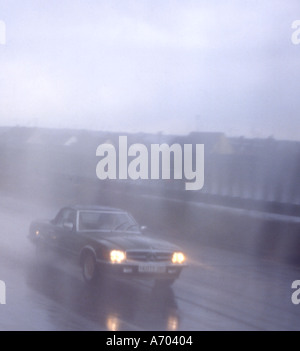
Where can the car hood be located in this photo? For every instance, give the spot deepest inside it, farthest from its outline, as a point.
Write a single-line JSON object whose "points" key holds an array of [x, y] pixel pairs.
{"points": [[133, 242]]}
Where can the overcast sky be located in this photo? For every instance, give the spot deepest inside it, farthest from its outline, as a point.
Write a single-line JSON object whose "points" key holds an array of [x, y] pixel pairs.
{"points": [[134, 65]]}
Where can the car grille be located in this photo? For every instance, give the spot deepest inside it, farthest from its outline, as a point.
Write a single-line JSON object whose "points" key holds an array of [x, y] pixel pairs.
{"points": [[149, 256]]}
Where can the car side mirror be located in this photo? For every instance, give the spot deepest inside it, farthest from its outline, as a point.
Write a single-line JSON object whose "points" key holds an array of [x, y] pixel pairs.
{"points": [[69, 226]]}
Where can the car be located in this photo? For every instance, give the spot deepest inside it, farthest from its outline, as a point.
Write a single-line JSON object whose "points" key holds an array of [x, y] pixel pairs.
{"points": [[107, 242]]}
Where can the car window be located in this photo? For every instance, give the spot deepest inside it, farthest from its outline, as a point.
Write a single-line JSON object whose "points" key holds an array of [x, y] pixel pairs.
{"points": [[66, 215], [93, 220]]}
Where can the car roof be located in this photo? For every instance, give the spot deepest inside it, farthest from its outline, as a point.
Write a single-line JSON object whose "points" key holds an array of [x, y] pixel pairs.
{"points": [[95, 208]]}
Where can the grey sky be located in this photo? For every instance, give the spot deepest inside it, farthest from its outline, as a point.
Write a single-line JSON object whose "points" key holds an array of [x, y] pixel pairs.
{"points": [[171, 66]]}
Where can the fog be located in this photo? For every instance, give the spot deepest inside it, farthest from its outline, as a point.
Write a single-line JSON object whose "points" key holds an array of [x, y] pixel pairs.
{"points": [[220, 78], [149, 66]]}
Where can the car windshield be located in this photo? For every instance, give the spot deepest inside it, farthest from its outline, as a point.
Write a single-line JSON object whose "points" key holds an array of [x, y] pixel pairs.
{"points": [[96, 220]]}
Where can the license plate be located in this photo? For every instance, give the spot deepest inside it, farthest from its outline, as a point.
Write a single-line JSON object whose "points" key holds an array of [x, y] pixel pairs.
{"points": [[152, 269]]}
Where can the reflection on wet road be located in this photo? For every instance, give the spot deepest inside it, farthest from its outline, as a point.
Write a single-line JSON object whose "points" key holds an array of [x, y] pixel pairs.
{"points": [[117, 305]]}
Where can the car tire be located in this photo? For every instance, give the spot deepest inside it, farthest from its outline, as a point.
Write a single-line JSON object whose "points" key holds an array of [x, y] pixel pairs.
{"points": [[89, 269]]}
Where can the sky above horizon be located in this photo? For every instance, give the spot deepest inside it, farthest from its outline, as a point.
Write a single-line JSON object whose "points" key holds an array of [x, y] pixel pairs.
{"points": [[151, 66]]}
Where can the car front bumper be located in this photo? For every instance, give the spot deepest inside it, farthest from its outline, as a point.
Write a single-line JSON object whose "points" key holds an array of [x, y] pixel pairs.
{"points": [[141, 270]]}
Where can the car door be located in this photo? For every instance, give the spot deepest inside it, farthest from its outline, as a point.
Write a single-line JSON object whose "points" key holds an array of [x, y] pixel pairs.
{"points": [[66, 235]]}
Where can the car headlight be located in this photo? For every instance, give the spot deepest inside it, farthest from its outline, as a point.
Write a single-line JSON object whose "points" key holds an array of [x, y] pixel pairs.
{"points": [[178, 257], [117, 256]]}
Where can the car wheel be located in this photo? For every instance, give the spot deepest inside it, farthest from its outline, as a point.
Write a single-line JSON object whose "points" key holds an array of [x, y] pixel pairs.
{"points": [[89, 269]]}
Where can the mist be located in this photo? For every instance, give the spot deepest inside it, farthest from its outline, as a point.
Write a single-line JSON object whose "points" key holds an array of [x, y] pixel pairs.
{"points": [[218, 78], [151, 67]]}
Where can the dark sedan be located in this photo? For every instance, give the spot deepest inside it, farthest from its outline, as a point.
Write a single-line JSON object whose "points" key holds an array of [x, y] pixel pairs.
{"points": [[107, 241]]}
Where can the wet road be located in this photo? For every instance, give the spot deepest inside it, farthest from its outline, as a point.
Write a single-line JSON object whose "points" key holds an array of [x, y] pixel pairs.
{"points": [[221, 290]]}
